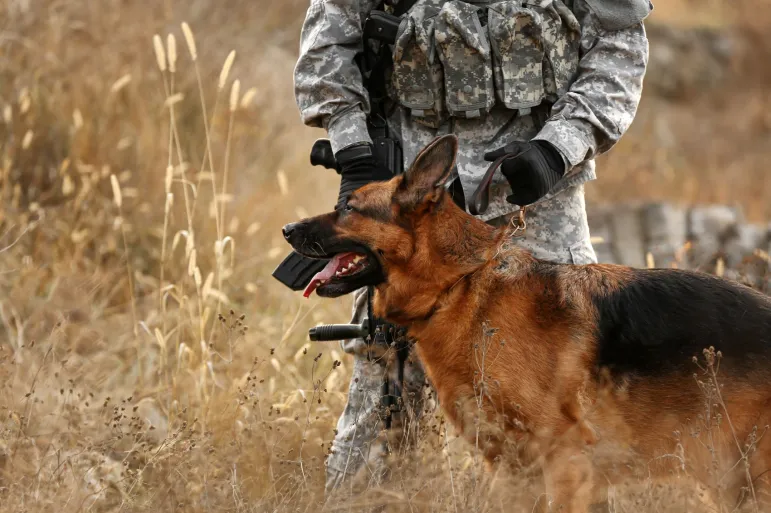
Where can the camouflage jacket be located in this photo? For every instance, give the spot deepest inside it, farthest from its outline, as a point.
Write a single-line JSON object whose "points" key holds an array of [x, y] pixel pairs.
{"points": [[478, 64]]}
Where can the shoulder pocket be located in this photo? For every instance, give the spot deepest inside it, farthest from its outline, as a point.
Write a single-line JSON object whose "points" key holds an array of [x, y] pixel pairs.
{"points": [[464, 50], [417, 73]]}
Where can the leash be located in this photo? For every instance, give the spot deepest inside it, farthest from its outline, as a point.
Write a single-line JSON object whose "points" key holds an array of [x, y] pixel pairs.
{"points": [[480, 199]]}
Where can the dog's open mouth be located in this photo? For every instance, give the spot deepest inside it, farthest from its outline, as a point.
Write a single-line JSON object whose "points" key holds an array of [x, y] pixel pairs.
{"points": [[340, 269]]}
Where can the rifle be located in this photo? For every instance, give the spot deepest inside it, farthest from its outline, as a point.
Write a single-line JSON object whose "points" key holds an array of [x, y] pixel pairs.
{"points": [[384, 334], [380, 28]]}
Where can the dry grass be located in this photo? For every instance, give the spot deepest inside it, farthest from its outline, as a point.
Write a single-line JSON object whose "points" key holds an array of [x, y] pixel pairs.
{"points": [[148, 361]]}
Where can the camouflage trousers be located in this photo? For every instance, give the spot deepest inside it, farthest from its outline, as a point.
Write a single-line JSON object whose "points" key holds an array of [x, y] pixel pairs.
{"points": [[557, 230]]}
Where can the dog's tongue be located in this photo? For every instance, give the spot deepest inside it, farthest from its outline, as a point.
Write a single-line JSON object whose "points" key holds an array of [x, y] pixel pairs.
{"points": [[329, 271]]}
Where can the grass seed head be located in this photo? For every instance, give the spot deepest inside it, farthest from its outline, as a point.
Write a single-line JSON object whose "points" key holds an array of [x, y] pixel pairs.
{"points": [[248, 97], [171, 45], [283, 184], [116, 194], [160, 54], [77, 119], [191, 263], [27, 139], [168, 178], [226, 69], [169, 202], [120, 83], [234, 92], [67, 185], [190, 40]]}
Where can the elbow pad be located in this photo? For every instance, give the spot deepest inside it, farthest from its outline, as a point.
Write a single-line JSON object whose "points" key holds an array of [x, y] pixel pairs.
{"points": [[620, 14]]}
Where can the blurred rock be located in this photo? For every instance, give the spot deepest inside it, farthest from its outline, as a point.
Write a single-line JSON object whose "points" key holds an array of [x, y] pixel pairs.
{"points": [[707, 226], [599, 220], [711, 232], [685, 62], [628, 236], [740, 242], [666, 230]]}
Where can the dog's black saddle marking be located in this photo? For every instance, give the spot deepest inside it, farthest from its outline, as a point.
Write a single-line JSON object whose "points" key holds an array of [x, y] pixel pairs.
{"points": [[660, 320]]}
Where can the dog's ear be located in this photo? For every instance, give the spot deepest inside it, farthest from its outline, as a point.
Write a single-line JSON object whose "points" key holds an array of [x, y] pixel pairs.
{"points": [[431, 169]]}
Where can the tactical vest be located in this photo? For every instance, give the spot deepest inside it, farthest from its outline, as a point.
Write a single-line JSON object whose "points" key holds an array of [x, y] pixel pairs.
{"points": [[455, 58]]}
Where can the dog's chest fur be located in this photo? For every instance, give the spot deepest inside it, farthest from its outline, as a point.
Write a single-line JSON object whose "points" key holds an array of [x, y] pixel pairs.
{"points": [[507, 340]]}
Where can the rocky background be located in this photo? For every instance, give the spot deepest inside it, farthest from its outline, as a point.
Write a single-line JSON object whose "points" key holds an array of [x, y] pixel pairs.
{"points": [[688, 185]]}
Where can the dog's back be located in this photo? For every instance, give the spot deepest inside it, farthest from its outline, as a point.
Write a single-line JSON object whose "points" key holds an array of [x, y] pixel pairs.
{"points": [[657, 320]]}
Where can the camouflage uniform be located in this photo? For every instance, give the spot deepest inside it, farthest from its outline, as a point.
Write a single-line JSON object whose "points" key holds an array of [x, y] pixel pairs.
{"points": [[569, 73]]}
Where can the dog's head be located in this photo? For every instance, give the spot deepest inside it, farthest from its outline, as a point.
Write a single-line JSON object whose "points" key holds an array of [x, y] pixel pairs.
{"points": [[376, 231]]}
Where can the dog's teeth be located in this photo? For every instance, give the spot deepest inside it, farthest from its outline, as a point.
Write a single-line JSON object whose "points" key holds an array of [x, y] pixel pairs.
{"points": [[356, 259]]}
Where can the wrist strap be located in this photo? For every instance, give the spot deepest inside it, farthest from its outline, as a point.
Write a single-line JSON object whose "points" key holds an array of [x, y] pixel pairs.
{"points": [[354, 153]]}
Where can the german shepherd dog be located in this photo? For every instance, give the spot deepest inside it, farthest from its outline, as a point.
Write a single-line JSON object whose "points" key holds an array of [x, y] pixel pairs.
{"points": [[594, 371]]}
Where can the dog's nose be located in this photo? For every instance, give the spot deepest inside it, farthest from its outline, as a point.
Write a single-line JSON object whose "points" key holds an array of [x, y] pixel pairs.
{"points": [[288, 230]]}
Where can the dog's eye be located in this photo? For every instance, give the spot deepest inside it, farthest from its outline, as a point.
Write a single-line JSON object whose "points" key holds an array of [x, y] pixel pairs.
{"points": [[349, 208]]}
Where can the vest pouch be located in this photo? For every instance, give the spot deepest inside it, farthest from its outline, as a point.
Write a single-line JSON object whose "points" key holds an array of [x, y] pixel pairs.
{"points": [[561, 35], [464, 51], [417, 76], [516, 39]]}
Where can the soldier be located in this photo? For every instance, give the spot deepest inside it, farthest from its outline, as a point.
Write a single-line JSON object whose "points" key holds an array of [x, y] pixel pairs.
{"points": [[557, 82]]}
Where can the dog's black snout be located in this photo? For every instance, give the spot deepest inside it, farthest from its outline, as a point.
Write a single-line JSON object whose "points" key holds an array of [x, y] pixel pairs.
{"points": [[288, 230]]}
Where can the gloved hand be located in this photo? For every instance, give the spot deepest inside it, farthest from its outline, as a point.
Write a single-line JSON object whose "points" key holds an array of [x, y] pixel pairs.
{"points": [[357, 168], [532, 173]]}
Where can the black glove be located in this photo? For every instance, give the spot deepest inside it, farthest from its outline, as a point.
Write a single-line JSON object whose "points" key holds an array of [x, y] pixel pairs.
{"points": [[358, 167], [532, 173]]}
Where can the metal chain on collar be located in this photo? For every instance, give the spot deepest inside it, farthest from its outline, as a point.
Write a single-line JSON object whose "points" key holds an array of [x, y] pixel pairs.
{"points": [[518, 223]]}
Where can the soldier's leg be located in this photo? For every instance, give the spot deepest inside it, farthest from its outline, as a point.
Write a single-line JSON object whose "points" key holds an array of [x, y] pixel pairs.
{"points": [[358, 428], [360, 442], [557, 228]]}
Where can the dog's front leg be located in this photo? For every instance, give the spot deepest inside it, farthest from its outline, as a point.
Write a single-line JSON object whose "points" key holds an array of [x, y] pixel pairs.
{"points": [[568, 479]]}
